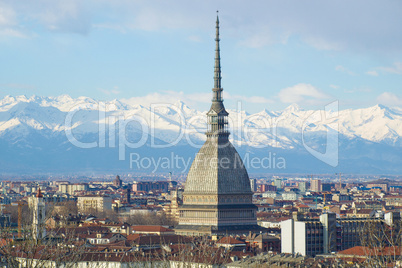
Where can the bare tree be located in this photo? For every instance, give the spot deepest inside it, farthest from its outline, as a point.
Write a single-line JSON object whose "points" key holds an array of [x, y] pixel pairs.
{"points": [[29, 251], [65, 209], [151, 218], [382, 243]]}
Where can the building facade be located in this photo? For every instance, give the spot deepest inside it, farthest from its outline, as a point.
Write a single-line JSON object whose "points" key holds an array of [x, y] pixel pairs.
{"points": [[89, 203], [302, 186], [146, 186], [328, 233], [278, 183], [316, 186], [117, 182], [253, 184], [267, 187], [67, 188]]}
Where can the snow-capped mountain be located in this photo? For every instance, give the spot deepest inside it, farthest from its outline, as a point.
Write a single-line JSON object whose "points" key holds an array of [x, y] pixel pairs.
{"points": [[56, 134]]}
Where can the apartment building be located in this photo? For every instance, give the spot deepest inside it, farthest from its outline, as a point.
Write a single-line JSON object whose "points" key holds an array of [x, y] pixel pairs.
{"points": [[327, 234], [68, 188], [316, 186], [91, 203], [146, 186]]}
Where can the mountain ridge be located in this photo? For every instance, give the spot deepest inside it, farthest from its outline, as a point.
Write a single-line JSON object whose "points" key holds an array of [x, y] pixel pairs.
{"points": [[37, 125]]}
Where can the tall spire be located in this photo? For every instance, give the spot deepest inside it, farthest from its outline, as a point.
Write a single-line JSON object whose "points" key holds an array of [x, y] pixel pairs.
{"points": [[217, 70], [39, 193], [217, 115]]}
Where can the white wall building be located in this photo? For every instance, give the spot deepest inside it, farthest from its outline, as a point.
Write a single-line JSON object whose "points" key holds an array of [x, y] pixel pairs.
{"points": [[290, 196], [94, 203]]}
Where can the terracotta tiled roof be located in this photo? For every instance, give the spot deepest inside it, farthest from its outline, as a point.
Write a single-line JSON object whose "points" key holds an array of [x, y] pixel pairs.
{"points": [[365, 251], [150, 228], [302, 206], [132, 237], [229, 240]]}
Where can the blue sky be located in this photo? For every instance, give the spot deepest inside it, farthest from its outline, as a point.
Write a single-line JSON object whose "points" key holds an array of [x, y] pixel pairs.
{"points": [[274, 53]]}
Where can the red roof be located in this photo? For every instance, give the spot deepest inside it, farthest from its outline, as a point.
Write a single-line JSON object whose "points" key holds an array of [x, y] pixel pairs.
{"points": [[379, 251], [302, 206], [132, 236], [229, 240], [150, 228]]}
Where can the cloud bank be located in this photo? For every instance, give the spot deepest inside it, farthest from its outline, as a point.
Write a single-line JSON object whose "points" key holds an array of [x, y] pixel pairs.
{"points": [[328, 25]]}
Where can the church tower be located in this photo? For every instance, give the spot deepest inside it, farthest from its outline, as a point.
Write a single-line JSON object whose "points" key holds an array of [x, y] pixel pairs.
{"points": [[38, 223], [217, 198]]}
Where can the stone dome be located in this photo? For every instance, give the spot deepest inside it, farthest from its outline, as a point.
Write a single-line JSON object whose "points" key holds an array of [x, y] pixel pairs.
{"points": [[217, 169]]}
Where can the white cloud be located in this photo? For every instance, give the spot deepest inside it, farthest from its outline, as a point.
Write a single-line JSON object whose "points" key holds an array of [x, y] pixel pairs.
{"points": [[170, 97], [395, 69], [64, 16], [22, 17], [357, 90], [389, 99], [193, 100], [321, 24], [323, 44], [342, 69], [259, 38], [372, 73], [7, 16], [334, 86], [12, 33], [8, 22], [302, 93]]}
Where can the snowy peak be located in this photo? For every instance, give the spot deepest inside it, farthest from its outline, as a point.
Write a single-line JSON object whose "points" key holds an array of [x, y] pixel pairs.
{"points": [[43, 127], [293, 108], [378, 123]]}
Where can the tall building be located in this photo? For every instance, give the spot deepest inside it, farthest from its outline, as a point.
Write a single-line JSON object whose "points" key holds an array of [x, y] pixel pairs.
{"points": [[253, 184], [117, 182], [329, 234], [94, 203], [327, 187], [175, 204], [266, 187], [217, 198], [309, 237], [302, 186], [146, 186], [382, 186], [316, 186], [127, 195], [67, 188], [39, 214], [278, 183]]}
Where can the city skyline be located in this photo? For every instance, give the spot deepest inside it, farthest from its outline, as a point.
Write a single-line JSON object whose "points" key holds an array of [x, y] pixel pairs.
{"points": [[298, 167]]}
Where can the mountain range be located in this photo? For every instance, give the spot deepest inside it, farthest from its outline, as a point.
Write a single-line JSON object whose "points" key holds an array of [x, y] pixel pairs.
{"points": [[63, 134]]}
